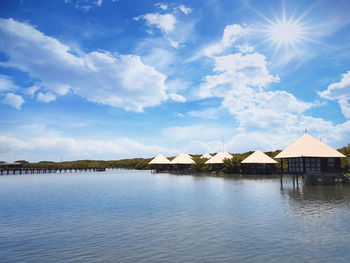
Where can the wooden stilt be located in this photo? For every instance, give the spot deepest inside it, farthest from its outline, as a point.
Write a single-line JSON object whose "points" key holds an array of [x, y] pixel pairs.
{"points": [[297, 179]]}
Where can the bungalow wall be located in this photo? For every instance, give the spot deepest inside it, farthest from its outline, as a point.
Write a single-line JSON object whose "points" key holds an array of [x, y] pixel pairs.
{"points": [[258, 168], [313, 165]]}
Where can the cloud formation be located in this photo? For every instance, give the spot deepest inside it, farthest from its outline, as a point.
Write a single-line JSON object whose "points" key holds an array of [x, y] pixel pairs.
{"points": [[53, 147], [340, 91], [164, 22], [231, 34], [185, 10], [98, 76], [13, 100], [267, 118]]}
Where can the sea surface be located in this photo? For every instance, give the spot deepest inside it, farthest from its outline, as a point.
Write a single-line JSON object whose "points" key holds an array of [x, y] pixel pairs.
{"points": [[137, 216]]}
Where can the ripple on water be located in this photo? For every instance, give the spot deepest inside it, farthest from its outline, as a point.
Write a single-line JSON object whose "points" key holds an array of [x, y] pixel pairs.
{"points": [[134, 216]]}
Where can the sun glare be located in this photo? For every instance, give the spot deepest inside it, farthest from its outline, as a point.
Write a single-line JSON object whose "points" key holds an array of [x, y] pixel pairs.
{"points": [[285, 32]]}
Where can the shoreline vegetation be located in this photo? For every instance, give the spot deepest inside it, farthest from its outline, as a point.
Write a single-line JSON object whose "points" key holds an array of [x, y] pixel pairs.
{"points": [[231, 166]]}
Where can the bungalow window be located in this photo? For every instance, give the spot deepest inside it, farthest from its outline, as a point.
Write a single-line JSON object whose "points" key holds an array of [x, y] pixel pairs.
{"points": [[295, 165], [312, 165], [331, 162]]}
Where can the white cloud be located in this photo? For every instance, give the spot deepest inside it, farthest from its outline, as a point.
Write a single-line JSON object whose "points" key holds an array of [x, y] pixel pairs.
{"points": [[245, 48], [199, 147], [205, 113], [31, 90], [185, 10], [175, 31], [177, 97], [210, 132], [280, 136], [99, 3], [53, 147], [231, 34], [236, 73], [13, 100], [166, 23], [6, 84], [45, 97], [98, 76], [340, 91], [162, 6]]}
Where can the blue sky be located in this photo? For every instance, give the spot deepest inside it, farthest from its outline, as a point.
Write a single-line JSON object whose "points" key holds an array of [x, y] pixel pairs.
{"points": [[110, 79]]}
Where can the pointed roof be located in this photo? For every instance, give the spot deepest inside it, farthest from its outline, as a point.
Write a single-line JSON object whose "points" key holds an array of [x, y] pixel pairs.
{"points": [[159, 159], [206, 156], [219, 158], [258, 157], [308, 146], [182, 158]]}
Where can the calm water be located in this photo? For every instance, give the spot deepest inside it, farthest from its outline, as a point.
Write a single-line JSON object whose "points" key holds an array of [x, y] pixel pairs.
{"points": [[134, 216]]}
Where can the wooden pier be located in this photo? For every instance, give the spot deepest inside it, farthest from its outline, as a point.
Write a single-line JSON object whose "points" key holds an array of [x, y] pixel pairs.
{"points": [[14, 171]]}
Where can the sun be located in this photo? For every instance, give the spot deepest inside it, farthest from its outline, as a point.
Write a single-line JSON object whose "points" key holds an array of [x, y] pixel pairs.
{"points": [[287, 33]]}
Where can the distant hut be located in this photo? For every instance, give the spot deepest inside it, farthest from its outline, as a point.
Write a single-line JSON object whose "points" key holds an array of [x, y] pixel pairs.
{"points": [[160, 163], [258, 163], [182, 162], [218, 159], [206, 156], [307, 155]]}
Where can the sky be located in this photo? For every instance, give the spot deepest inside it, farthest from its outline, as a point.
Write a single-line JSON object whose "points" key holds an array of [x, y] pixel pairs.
{"points": [[114, 79]]}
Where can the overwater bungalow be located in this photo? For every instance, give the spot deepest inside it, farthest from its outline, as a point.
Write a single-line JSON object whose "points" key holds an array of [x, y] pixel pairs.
{"points": [[182, 162], [309, 156], [206, 156], [159, 163], [258, 163], [218, 159]]}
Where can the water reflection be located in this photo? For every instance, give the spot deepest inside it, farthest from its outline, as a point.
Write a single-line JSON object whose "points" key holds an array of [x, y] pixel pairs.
{"points": [[315, 204]]}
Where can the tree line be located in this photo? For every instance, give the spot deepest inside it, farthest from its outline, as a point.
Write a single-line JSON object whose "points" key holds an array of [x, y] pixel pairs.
{"points": [[229, 166]]}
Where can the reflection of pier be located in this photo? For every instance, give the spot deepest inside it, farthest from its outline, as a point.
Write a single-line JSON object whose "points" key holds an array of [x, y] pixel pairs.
{"points": [[317, 202], [317, 178]]}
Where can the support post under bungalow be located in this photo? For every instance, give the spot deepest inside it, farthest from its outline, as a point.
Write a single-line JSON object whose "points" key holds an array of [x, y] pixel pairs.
{"points": [[281, 170], [297, 180]]}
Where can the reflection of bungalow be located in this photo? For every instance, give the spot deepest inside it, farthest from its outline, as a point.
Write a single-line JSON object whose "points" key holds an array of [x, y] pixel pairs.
{"points": [[307, 155], [206, 156], [10, 166], [258, 163], [159, 163], [218, 159], [182, 162]]}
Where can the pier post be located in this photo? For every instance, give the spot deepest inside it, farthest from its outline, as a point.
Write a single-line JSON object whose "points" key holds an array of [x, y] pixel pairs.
{"points": [[297, 180], [281, 170]]}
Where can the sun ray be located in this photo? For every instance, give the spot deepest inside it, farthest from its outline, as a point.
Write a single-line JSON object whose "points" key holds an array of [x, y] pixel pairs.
{"points": [[285, 33]]}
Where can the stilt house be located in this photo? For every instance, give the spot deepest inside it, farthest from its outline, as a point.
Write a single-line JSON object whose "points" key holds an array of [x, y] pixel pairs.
{"points": [[309, 155], [258, 163]]}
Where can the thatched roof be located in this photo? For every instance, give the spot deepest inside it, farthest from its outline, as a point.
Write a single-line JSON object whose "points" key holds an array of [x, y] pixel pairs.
{"points": [[219, 158], [182, 158], [159, 159], [308, 146], [258, 157], [206, 156]]}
